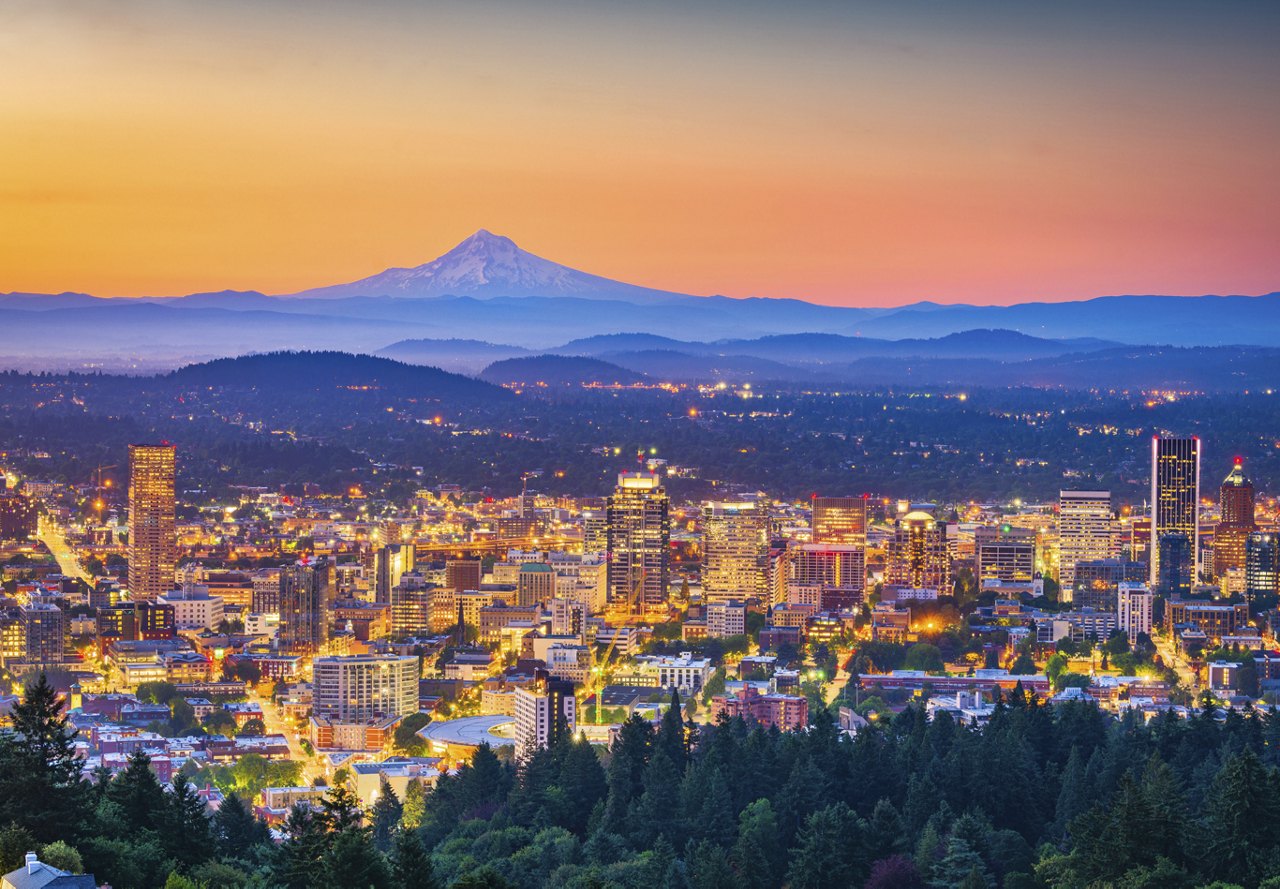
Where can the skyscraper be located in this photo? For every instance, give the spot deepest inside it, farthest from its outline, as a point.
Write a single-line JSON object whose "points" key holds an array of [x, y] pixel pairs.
{"points": [[1175, 498], [735, 550], [1235, 502], [839, 520], [153, 541], [1177, 565], [393, 561], [838, 572], [1261, 565], [1086, 533], [638, 531], [306, 592], [917, 555]]}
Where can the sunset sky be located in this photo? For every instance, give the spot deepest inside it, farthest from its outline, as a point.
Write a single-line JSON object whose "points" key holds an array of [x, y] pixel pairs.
{"points": [[848, 153]]}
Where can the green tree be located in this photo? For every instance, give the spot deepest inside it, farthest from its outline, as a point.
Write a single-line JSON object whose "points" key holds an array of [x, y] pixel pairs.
{"points": [[829, 850], [385, 816], [352, 860], [758, 856], [411, 865], [63, 857], [923, 656]]}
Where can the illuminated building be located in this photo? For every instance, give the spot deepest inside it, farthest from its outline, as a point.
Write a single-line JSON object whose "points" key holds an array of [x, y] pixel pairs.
{"points": [[837, 574], [1097, 582], [462, 574], [785, 712], [1086, 533], [735, 550], [18, 516], [595, 537], [543, 713], [1261, 565], [1004, 553], [365, 687], [1176, 564], [535, 583], [917, 554], [639, 536], [411, 603], [306, 592], [1134, 609], [392, 562], [1175, 498], [43, 631], [1235, 502], [839, 520], [152, 532]]}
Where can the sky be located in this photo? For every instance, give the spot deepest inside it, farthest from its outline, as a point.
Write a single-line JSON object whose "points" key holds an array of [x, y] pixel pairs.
{"points": [[870, 153]]}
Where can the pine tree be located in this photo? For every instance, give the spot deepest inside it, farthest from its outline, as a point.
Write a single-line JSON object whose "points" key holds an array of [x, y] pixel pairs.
{"points": [[236, 830], [411, 865], [353, 861], [671, 738], [829, 850], [301, 863], [188, 833], [959, 868], [414, 806], [42, 789], [758, 856], [136, 791], [708, 866], [385, 817], [340, 809]]}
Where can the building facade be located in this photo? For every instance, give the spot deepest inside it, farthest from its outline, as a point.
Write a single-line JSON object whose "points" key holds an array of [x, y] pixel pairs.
{"points": [[153, 540], [1175, 497]]}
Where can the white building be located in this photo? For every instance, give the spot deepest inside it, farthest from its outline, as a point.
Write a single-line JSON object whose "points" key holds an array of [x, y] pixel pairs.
{"points": [[1086, 533], [1134, 603], [538, 711], [686, 674], [194, 608], [365, 687], [726, 619]]}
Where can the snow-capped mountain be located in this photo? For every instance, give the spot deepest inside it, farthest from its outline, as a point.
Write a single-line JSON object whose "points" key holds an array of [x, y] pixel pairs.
{"points": [[486, 265]]}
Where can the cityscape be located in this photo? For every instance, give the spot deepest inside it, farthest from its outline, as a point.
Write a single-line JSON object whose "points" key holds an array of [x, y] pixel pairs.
{"points": [[862, 471]]}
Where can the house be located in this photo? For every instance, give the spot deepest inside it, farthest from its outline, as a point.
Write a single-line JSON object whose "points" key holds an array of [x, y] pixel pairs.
{"points": [[35, 874]]}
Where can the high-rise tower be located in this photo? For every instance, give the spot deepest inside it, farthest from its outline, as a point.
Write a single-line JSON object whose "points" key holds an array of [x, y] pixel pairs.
{"points": [[1086, 533], [306, 592], [153, 541], [638, 529], [918, 555], [1235, 502], [1175, 498], [735, 550], [839, 520]]}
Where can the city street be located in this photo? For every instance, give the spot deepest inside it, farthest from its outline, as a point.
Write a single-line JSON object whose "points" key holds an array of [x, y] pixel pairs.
{"points": [[52, 536]]}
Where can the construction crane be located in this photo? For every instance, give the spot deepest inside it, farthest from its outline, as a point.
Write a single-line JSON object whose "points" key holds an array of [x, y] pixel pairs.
{"points": [[98, 502]]}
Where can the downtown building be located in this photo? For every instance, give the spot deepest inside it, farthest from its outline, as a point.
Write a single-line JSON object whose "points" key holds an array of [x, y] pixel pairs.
{"points": [[1236, 522], [735, 550], [1086, 533], [153, 540], [839, 520], [638, 530], [918, 556], [306, 594], [1175, 503]]}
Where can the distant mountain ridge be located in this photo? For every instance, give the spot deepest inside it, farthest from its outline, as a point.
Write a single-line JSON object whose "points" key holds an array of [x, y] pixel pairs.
{"points": [[489, 291]]}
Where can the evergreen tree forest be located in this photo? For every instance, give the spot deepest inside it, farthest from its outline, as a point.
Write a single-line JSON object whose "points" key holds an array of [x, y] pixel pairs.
{"points": [[1053, 796]]}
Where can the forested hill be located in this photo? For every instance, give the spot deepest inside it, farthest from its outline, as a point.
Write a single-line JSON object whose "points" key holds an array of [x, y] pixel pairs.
{"points": [[1043, 797], [308, 371]]}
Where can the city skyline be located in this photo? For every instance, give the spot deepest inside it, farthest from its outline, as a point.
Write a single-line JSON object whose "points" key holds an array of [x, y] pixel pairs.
{"points": [[864, 156]]}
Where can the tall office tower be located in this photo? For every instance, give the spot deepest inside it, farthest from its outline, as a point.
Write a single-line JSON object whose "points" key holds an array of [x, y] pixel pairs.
{"points": [[735, 550], [536, 583], [917, 554], [1134, 609], [153, 537], [1261, 565], [365, 687], [306, 592], [462, 574], [1098, 581], [543, 712], [1086, 533], [1175, 497], [1235, 502], [595, 531], [838, 572], [1005, 553], [18, 516], [568, 618], [411, 601], [1177, 565], [839, 520], [43, 631], [639, 534], [393, 561]]}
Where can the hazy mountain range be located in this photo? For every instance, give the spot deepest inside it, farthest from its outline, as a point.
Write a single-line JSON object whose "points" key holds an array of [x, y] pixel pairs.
{"points": [[487, 300]]}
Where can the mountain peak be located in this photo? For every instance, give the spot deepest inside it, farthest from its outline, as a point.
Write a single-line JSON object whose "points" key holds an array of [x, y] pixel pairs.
{"points": [[486, 265]]}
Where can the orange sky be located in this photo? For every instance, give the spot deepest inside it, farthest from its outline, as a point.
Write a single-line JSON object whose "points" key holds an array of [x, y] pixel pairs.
{"points": [[978, 153]]}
